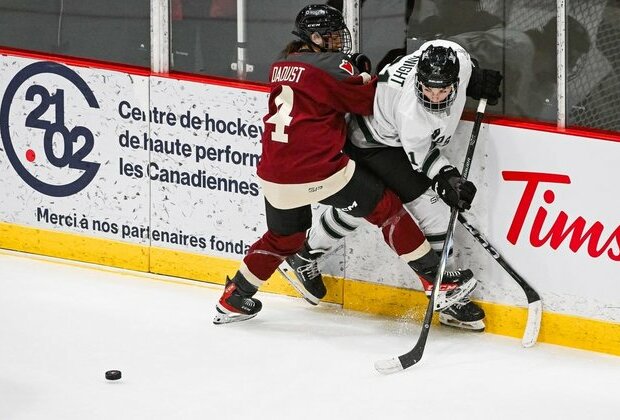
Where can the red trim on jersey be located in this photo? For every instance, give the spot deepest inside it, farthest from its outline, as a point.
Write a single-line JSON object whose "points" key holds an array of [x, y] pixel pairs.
{"points": [[347, 66]]}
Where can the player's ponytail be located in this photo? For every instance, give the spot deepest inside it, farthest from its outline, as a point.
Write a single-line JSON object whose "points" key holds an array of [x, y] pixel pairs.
{"points": [[293, 47]]}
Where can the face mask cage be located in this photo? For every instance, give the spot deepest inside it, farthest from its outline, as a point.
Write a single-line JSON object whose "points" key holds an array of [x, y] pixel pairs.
{"points": [[339, 40], [435, 107]]}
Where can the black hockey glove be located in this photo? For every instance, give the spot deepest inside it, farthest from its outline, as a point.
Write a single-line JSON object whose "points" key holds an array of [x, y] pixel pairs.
{"points": [[452, 189], [484, 84], [361, 62]]}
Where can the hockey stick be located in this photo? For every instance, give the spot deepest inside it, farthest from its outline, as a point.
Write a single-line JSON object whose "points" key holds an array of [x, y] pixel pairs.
{"points": [[534, 313], [413, 356]]}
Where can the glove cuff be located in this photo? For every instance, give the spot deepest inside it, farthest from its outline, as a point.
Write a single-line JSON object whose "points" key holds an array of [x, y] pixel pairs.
{"points": [[448, 170]]}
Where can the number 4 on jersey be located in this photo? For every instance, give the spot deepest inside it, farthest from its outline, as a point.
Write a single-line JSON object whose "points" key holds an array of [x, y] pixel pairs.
{"points": [[282, 118]]}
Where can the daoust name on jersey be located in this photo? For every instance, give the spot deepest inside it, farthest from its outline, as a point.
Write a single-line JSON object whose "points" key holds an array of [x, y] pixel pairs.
{"points": [[286, 73]]}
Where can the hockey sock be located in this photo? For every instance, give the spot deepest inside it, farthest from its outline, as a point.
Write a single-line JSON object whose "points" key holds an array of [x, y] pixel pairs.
{"points": [[245, 288], [333, 225], [266, 254]]}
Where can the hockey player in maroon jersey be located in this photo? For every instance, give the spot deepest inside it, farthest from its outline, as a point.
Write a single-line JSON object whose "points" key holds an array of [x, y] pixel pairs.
{"points": [[312, 88]]}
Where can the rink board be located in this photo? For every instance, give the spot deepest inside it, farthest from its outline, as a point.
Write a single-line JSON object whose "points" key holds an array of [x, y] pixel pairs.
{"points": [[157, 174]]}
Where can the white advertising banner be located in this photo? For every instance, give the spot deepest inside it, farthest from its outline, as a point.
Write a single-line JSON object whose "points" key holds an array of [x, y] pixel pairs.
{"points": [[552, 209], [60, 129], [204, 190]]}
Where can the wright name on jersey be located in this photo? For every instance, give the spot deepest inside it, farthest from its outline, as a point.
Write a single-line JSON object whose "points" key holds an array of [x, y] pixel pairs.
{"points": [[400, 119]]}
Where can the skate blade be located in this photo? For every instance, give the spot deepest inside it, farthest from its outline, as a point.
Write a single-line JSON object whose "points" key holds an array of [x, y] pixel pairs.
{"points": [[228, 318], [475, 326], [289, 274], [442, 303]]}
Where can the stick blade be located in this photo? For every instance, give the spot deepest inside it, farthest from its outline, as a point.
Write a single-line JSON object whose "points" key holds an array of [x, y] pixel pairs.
{"points": [[388, 366], [532, 328]]}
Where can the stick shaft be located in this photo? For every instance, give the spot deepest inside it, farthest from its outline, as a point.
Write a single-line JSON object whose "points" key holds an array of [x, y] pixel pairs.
{"points": [[530, 293], [413, 356]]}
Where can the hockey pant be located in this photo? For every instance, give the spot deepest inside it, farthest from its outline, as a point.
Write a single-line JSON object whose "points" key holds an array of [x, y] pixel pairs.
{"points": [[399, 231]]}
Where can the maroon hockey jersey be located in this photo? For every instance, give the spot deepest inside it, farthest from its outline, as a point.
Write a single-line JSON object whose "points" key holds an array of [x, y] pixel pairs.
{"points": [[305, 128]]}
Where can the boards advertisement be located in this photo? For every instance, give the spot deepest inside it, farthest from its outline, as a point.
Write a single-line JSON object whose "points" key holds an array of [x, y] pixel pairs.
{"points": [[144, 163]]}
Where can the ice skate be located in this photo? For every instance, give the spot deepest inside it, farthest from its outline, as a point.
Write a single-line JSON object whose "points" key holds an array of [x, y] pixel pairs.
{"points": [[237, 303], [464, 314], [302, 271], [455, 285]]}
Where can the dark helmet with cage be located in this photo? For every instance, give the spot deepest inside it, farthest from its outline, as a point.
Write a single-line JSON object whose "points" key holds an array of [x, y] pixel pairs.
{"points": [[328, 22], [438, 67]]}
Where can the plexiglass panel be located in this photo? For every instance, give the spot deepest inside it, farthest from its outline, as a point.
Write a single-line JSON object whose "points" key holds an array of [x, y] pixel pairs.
{"points": [[204, 35], [111, 30], [516, 37], [593, 64], [519, 38]]}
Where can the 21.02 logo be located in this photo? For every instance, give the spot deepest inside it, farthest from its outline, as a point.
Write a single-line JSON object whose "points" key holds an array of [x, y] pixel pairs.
{"points": [[65, 148]]}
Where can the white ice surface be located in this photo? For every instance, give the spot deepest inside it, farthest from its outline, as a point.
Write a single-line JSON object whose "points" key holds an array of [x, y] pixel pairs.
{"points": [[62, 326]]}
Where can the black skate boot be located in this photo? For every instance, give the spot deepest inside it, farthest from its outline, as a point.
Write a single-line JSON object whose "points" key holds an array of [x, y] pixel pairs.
{"points": [[237, 303], [463, 314], [455, 284], [302, 271]]}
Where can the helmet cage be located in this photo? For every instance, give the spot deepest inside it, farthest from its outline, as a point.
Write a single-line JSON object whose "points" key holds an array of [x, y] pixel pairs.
{"points": [[435, 107], [339, 40], [328, 23]]}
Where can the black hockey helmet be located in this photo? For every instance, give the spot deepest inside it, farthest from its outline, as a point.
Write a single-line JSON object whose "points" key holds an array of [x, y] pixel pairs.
{"points": [[438, 67], [328, 22]]}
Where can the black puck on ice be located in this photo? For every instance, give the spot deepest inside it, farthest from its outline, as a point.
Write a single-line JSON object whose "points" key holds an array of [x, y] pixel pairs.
{"points": [[113, 375]]}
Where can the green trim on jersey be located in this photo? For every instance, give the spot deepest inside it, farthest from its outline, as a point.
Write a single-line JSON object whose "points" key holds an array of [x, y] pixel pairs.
{"points": [[430, 160], [341, 222], [365, 131], [329, 230], [383, 77], [436, 238]]}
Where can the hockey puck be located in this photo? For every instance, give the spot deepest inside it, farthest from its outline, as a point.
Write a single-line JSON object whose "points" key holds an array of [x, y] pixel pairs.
{"points": [[113, 375]]}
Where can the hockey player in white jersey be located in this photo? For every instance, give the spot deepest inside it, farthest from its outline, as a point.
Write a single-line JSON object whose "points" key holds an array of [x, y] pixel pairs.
{"points": [[418, 104]]}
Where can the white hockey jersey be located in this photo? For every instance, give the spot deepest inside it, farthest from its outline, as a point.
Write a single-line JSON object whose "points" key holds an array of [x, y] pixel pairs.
{"points": [[400, 120]]}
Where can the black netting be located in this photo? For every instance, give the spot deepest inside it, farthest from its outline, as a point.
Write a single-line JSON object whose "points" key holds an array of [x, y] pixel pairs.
{"points": [[593, 50]]}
